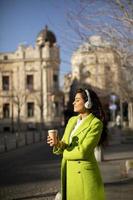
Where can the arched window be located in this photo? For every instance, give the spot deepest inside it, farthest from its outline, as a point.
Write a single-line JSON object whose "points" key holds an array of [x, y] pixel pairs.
{"points": [[6, 110]]}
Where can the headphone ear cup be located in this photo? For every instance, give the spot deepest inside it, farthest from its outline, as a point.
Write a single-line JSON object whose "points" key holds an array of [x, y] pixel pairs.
{"points": [[87, 105]]}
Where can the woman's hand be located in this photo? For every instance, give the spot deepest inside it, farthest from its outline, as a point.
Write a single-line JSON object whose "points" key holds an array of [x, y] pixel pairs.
{"points": [[52, 141]]}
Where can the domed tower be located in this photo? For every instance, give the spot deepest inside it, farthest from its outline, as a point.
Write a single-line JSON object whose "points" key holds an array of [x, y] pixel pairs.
{"points": [[45, 36], [49, 74]]}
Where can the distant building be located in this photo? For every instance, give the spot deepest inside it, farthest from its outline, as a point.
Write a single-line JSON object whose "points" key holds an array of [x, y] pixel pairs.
{"points": [[95, 64], [29, 85]]}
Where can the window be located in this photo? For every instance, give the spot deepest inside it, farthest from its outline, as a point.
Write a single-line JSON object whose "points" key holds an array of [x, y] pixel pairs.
{"points": [[57, 108], [5, 57], [29, 82], [55, 77], [5, 82], [6, 110], [108, 68], [30, 109], [6, 129]]}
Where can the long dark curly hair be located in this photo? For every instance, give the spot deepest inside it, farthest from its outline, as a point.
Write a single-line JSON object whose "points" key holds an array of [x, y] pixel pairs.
{"points": [[97, 111]]}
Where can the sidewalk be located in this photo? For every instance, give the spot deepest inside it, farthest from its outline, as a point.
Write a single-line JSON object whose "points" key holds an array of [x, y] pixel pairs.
{"points": [[117, 184]]}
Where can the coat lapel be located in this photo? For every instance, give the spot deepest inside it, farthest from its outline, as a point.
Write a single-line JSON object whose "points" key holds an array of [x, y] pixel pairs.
{"points": [[85, 124], [69, 128]]}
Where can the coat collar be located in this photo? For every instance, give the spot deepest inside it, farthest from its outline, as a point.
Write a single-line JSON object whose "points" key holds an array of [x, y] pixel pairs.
{"points": [[81, 127], [84, 124]]}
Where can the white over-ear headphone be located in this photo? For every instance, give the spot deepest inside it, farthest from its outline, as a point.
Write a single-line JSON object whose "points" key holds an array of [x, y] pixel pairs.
{"points": [[88, 103]]}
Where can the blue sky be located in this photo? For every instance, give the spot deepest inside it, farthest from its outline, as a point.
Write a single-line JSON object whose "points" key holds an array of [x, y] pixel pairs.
{"points": [[22, 20]]}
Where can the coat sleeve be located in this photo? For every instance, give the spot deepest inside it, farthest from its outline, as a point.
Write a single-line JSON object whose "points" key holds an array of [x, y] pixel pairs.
{"points": [[91, 140], [59, 150], [62, 143]]}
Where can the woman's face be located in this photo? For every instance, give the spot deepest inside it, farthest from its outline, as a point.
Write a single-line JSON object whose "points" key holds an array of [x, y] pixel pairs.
{"points": [[79, 103]]}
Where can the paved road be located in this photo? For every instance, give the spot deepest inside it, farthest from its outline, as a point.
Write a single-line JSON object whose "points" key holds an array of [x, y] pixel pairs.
{"points": [[29, 171], [33, 172]]}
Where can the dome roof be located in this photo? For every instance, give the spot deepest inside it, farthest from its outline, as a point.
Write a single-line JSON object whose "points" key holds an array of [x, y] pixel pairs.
{"points": [[45, 35]]}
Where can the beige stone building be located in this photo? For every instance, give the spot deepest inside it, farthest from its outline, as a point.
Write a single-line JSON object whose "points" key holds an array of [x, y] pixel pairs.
{"points": [[29, 85], [96, 64]]}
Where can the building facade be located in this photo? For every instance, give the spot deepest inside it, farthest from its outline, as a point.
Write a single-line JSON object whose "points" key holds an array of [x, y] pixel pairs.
{"points": [[29, 85], [97, 65]]}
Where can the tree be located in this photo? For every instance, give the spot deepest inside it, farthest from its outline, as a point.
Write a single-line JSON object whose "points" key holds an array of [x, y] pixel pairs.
{"points": [[113, 20], [42, 107], [19, 98]]}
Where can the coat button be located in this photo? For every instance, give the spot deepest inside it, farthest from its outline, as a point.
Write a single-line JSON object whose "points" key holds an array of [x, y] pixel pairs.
{"points": [[79, 162], [78, 172]]}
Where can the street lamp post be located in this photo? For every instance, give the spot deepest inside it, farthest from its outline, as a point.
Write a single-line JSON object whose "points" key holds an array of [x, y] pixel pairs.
{"points": [[121, 112], [113, 106]]}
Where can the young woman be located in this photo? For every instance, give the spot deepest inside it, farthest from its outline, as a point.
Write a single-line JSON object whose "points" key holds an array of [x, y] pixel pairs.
{"points": [[80, 175]]}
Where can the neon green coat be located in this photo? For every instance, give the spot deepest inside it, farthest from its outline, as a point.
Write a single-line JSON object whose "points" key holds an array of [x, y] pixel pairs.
{"points": [[80, 176]]}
